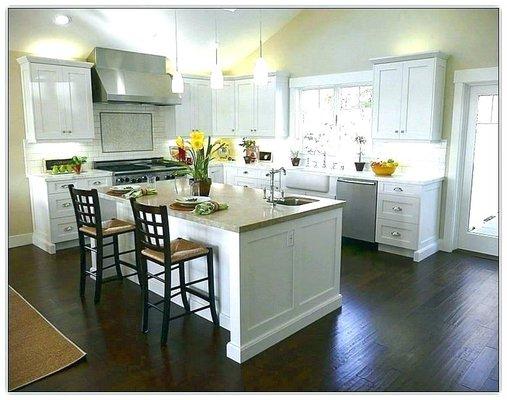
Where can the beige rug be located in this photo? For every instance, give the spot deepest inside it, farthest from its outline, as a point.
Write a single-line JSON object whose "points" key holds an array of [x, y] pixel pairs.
{"points": [[36, 348]]}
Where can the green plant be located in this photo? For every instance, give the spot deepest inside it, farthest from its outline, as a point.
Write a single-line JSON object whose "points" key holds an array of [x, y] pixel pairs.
{"points": [[76, 160], [360, 140], [294, 154], [247, 144]]}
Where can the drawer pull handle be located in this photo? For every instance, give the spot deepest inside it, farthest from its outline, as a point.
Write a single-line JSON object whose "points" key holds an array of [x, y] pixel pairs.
{"points": [[395, 234], [68, 229], [397, 208], [245, 172], [398, 189], [66, 205], [97, 182], [64, 186]]}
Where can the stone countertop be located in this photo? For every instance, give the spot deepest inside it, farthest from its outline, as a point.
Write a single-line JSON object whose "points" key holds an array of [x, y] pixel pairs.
{"points": [[247, 208], [398, 177], [92, 173]]}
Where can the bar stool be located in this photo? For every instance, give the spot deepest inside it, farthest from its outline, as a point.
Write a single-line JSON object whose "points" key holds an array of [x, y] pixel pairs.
{"points": [[153, 243], [89, 223]]}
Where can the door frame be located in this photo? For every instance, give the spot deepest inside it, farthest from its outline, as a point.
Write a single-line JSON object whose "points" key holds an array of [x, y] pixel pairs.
{"points": [[463, 81]]}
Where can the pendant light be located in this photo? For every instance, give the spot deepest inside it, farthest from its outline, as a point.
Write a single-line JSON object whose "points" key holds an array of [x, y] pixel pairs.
{"points": [[177, 83], [261, 68], [216, 78]]}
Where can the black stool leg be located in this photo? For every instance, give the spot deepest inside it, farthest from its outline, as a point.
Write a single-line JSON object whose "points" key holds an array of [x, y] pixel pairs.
{"points": [[82, 261], [116, 250], [143, 282], [211, 287], [167, 305], [98, 274], [183, 288]]}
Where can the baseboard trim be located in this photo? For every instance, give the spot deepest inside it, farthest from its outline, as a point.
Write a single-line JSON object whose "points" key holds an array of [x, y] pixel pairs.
{"points": [[20, 240], [426, 251]]}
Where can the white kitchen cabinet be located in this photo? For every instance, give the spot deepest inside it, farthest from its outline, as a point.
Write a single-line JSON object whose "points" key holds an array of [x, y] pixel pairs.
{"points": [[195, 111], [408, 96], [262, 111], [216, 173], [224, 116], [57, 99]]}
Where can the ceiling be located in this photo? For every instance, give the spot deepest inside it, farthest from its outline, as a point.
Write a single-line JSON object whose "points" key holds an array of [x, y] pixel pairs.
{"points": [[147, 31]]}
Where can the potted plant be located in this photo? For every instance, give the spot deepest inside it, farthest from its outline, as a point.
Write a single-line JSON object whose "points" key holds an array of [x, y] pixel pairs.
{"points": [[294, 157], [360, 140], [201, 156], [76, 162], [250, 150]]}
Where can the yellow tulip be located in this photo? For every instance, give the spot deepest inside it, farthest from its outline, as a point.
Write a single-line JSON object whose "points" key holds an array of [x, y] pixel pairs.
{"points": [[180, 142], [197, 135], [197, 143]]}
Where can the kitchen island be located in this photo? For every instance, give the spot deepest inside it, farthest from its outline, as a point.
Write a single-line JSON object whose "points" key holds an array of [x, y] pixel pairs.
{"points": [[277, 268]]}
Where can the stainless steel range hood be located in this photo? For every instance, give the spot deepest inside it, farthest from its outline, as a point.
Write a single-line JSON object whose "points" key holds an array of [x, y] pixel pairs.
{"points": [[126, 77]]}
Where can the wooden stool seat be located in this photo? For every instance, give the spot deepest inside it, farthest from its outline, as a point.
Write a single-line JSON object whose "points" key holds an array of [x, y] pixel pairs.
{"points": [[181, 250], [110, 227]]}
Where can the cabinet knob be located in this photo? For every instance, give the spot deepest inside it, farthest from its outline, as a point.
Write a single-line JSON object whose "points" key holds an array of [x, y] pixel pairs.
{"points": [[398, 189], [97, 182], [396, 131], [397, 208], [232, 129], [66, 205], [64, 186], [402, 131], [68, 228], [395, 234], [245, 172]]}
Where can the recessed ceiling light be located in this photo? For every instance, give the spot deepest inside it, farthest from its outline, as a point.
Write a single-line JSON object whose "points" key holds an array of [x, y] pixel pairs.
{"points": [[62, 20]]}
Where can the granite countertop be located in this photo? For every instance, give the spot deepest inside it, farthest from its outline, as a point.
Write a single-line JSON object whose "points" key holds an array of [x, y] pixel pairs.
{"points": [[247, 208], [91, 173]]}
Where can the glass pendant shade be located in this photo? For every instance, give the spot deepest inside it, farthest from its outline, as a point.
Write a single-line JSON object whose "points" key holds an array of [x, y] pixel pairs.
{"points": [[216, 78], [177, 83], [261, 72]]}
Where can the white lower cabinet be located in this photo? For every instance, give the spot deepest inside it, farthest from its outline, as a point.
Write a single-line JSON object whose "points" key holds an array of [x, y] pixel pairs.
{"points": [[408, 218], [216, 173], [54, 223]]}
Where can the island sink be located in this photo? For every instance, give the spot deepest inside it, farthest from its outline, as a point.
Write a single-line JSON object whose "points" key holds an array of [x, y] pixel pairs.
{"points": [[295, 201]]}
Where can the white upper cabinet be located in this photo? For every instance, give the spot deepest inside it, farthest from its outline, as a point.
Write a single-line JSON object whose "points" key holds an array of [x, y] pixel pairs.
{"points": [[195, 112], [224, 101], [245, 99], [265, 109], [57, 99], [408, 97]]}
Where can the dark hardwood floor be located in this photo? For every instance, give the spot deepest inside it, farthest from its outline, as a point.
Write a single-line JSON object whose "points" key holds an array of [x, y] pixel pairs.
{"points": [[431, 326]]}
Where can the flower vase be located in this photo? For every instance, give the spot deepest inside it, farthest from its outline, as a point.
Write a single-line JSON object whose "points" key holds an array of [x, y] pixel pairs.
{"points": [[201, 187]]}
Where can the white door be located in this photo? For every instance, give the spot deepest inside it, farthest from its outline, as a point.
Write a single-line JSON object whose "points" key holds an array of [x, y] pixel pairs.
{"points": [[224, 110], [478, 230], [265, 109], [245, 105], [201, 101], [387, 89], [49, 112], [417, 99], [183, 112], [77, 100]]}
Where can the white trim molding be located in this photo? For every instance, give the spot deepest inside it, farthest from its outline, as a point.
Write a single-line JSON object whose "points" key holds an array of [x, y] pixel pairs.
{"points": [[20, 240], [463, 81], [345, 78]]}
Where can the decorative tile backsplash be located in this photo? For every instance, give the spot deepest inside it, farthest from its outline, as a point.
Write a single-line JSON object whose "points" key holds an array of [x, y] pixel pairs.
{"points": [[163, 124]]}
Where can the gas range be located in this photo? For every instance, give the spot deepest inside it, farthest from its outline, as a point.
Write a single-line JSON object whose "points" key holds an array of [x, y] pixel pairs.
{"points": [[138, 170]]}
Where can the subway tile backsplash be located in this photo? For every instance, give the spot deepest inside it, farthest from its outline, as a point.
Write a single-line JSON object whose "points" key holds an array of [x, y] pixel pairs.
{"points": [[163, 122]]}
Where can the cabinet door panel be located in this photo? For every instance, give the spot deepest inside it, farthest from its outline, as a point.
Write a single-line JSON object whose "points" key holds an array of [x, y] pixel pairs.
{"points": [[77, 99], [47, 101], [265, 109], [183, 112], [201, 102], [417, 99], [245, 106], [387, 100], [224, 110]]}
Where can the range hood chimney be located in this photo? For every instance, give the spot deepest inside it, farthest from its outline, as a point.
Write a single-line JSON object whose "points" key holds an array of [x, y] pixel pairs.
{"points": [[126, 77]]}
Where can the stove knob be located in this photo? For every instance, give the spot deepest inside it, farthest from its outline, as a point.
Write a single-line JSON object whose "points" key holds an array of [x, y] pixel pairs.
{"points": [[139, 180], [157, 178], [167, 177], [144, 178], [127, 179], [121, 180]]}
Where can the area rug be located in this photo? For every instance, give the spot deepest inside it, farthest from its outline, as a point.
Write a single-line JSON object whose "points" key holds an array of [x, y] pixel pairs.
{"points": [[36, 348]]}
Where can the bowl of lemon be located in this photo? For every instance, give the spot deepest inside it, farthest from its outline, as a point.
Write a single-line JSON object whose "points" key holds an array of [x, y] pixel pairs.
{"points": [[384, 168]]}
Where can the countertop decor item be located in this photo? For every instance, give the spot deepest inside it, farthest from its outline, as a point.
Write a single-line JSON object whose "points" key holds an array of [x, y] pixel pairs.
{"points": [[77, 163], [294, 157], [360, 140], [209, 207], [202, 155], [250, 149], [384, 168]]}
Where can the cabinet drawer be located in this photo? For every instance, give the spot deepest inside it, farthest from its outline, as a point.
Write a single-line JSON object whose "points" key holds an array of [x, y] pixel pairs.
{"points": [[61, 186], [401, 189], [395, 233], [249, 172], [63, 229], [398, 208], [60, 205], [246, 182], [95, 182]]}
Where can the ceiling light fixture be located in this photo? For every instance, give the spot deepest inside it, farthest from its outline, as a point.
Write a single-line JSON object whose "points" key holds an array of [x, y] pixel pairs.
{"points": [[61, 20], [177, 83], [261, 67], [216, 78]]}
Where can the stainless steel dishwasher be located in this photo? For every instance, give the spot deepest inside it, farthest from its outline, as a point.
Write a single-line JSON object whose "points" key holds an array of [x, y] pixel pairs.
{"points": [[359, 214]]}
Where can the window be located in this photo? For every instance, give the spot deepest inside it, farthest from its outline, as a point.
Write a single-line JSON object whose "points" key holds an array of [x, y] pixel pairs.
{"points": [[330, 119]]}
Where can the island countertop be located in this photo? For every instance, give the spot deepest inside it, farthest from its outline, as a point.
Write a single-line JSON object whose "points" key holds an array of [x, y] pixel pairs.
{"points": [[247, 208]]}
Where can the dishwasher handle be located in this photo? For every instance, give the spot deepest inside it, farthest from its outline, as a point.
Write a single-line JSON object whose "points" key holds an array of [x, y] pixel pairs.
{"points": [[369, 183]]}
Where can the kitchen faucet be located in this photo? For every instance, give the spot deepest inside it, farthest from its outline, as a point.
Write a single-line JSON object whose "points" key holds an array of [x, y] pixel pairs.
{"points": [[271, 199]]}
